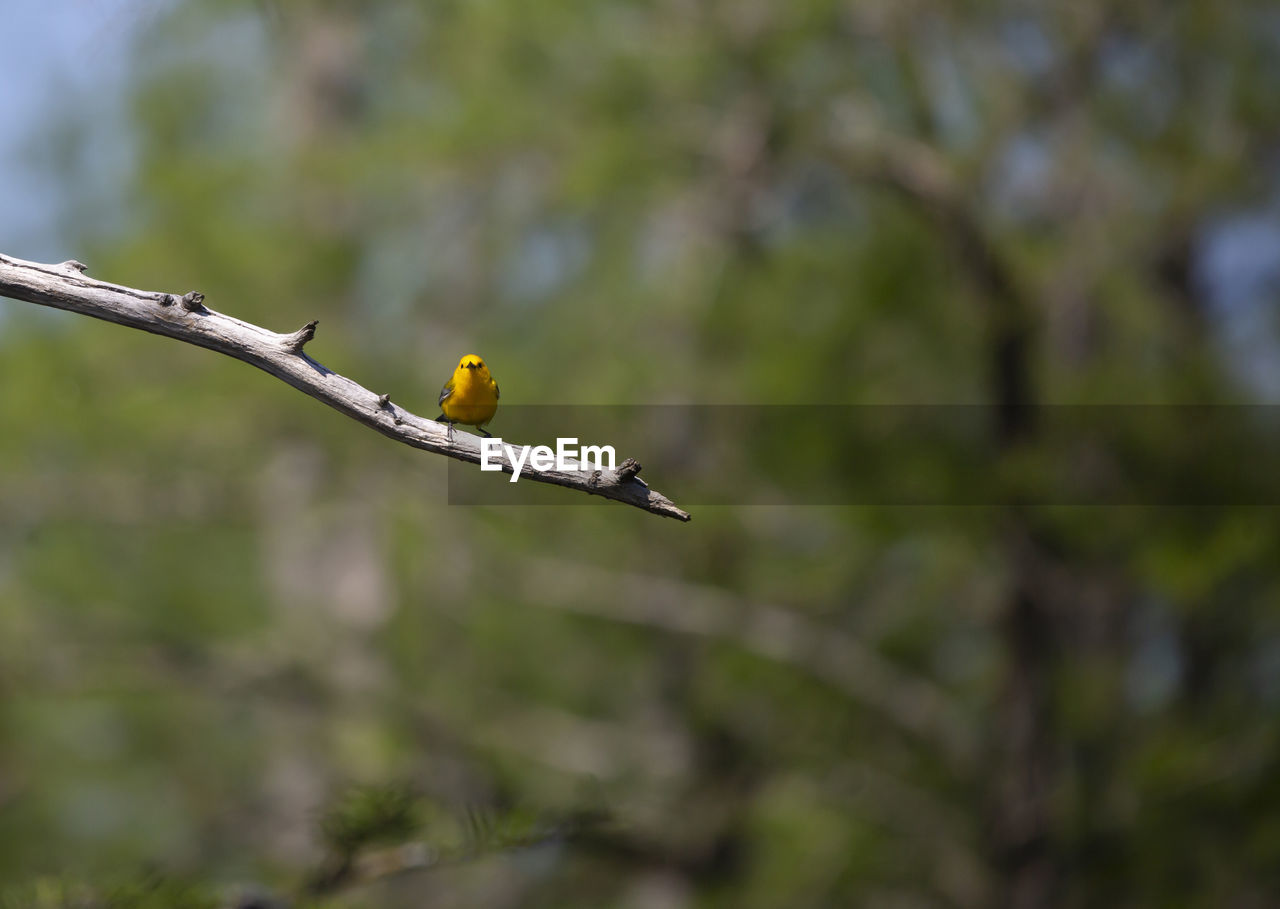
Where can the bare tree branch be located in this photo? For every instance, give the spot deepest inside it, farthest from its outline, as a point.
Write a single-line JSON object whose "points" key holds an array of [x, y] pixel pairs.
{"points": [[186, 318]]}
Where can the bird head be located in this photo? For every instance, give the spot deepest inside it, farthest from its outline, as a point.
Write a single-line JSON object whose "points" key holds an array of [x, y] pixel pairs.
{"points": [[471, 361]]}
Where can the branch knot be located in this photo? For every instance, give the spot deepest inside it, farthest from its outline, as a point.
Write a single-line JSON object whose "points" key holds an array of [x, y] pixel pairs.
{"points": [[192, 301]]}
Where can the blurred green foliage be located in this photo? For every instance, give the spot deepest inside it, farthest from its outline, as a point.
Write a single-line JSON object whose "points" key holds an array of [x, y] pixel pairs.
{"points": [[242, 638], [143, 891], [368, 816]]}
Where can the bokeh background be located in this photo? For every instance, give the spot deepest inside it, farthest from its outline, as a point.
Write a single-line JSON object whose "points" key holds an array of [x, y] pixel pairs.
{"points": [[249, 652]]}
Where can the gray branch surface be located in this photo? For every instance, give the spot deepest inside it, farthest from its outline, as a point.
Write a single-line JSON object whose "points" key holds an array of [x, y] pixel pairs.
{"points": [[186, 318]]}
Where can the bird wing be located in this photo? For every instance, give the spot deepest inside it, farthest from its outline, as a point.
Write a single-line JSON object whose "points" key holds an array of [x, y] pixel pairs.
{"points": [[497, 393], [446, 391]]}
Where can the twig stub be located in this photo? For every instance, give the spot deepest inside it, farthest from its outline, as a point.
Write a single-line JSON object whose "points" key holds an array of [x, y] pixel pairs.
{"points": [[296, 341]]}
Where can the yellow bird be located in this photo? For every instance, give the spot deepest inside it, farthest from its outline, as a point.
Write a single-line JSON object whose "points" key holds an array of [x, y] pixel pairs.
{"points": [[470, 397]]}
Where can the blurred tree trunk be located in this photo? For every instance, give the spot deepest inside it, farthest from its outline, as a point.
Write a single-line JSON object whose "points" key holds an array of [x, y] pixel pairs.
{"points": [[1023, 751]]}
